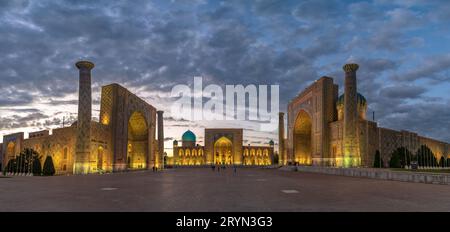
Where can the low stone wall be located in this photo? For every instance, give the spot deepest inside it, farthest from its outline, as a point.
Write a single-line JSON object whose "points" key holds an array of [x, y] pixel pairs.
{"points": [[382, 174]]}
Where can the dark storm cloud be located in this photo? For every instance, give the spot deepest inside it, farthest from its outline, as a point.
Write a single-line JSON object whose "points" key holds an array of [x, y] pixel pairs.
{"points": [[153, 46], [15, 121], [14, 97], [421, 118], [168, 139], [402, 92], [434, 68]]}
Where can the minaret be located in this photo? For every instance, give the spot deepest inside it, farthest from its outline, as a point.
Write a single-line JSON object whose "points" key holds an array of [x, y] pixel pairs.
{"points": [[351, 144], [83, 142], [160, 159], [281, 152]]}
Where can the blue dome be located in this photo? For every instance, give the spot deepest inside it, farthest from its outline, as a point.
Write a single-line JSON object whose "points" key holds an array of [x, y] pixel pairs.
{"points": [[271, 143], [188, 136], [361, 99]]}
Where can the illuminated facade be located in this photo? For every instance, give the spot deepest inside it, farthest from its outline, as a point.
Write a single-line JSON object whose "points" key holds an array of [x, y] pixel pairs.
{"points": [[123, 139], [331, 130], [223, 146]]}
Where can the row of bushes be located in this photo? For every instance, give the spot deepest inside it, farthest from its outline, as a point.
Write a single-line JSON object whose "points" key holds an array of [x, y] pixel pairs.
{"points": [[29, 161]]}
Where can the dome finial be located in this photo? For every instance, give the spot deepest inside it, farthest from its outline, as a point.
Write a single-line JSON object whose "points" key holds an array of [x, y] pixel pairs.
{"points": [[350, 67]]}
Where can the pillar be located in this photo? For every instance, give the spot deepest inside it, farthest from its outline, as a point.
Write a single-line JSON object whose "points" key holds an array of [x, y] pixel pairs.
{"points": [[351, 144], [281, 152], [160, 159], [83, 141]]}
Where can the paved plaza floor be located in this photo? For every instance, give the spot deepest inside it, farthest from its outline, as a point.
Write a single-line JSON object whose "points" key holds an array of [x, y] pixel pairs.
{"points": [[201, 189]]}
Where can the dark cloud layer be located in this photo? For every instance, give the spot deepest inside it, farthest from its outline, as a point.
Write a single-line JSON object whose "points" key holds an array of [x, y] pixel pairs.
{"points": [[153, 45]]}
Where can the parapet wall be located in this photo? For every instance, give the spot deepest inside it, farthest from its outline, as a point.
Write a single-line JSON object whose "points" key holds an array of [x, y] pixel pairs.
{"points": [[382, 174]]}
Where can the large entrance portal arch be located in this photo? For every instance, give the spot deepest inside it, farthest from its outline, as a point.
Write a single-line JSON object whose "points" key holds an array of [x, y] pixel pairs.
{"points": [[303, 138], [223, 151], [137, 147]]}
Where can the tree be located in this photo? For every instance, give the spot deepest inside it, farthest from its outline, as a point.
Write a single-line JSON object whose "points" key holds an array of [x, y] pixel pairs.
{"points": [[23, 162], [394, 162], [275, 158], [11, 166], [377, 161], [442, 162], [400, 157], [49, 168], [37, 168], [425, 156]]}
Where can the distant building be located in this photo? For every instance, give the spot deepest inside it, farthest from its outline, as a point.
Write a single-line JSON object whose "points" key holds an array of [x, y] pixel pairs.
{"points": [[123, 139], [223, 146], [331, 130]]}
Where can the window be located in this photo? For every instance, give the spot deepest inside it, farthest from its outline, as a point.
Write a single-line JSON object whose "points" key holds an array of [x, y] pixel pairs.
{"points": [[65, 153]]}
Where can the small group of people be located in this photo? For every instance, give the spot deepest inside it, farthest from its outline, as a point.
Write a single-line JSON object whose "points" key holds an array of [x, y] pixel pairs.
{"points": [[213, 168], [155, 169]]}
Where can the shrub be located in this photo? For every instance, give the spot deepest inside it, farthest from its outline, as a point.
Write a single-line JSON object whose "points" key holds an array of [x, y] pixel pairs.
{"points": [[394, 162], [377, 161], [49, 168], [37, 168], [11, 166]]}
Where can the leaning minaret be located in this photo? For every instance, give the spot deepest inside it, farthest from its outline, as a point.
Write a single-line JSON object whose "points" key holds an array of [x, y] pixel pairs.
{"points": [[160, 139], [351, 146], [281, 151], [82, 156]]}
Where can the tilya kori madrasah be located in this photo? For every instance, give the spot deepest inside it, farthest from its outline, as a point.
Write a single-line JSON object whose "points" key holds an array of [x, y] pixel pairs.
{"points": [[323, 128]]}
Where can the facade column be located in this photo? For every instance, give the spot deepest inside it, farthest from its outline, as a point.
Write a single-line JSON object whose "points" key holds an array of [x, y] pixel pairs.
{"points": [[281, 152], [83, 141], [160, 158]]}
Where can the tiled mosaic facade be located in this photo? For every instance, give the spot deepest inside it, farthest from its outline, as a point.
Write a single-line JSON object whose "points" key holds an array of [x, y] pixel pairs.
{"points": [[223, 146], [123, 139], [324, 129]]}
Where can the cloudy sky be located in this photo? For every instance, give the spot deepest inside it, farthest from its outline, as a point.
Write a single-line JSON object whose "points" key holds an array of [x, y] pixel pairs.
{"points": [[402, 47]]}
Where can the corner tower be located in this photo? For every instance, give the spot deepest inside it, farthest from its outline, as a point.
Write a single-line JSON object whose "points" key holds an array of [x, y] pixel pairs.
{"points": [[82, 156], [352, 156]]}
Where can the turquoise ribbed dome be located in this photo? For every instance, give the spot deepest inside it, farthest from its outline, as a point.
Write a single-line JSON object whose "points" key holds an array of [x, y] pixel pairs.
{"points": [[271, 143], [361, 100], [188, 136]]}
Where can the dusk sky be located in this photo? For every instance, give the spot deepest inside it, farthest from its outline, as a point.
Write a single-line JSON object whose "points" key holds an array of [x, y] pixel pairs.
{"points": [[402, 48]]}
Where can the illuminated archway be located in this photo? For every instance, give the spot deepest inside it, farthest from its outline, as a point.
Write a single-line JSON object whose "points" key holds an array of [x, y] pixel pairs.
{"points": [[302, 138], [223, 151], [10, 149], [137, 141]]}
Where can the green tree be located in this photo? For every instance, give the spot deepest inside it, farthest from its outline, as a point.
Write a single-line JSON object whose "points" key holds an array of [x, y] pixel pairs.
{"points": [[394, 162], [11, 166], [49, 168], [425, 156], [442, 162], [275, 158], [37, 167], [377, 161], [400, 157]]}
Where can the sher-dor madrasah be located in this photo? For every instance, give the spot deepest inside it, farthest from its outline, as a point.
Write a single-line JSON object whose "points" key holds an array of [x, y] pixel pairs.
{"points": [[323, 128]]}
